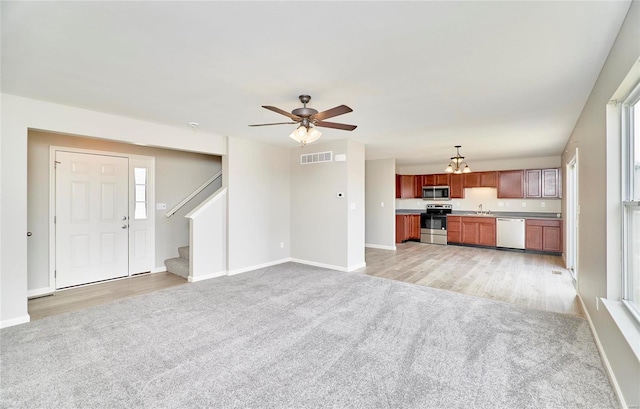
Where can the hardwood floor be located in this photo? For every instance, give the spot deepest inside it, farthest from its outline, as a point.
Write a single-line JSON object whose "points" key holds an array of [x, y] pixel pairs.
{"points": [[79, 298], [534, 280]]}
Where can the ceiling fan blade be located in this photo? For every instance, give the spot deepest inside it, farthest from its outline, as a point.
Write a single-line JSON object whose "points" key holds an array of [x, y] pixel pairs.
{"points": [[344, 127], [330, 113], [281, 112], [276, 123]]}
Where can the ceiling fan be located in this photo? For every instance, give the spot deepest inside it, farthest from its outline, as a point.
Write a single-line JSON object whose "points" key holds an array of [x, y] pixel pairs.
{"points": [[309, 118]]}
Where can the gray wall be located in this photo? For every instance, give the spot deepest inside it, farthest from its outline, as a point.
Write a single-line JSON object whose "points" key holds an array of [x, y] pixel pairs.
{"points": [[380, 222], [257, 176], [599, 220], [177, 175], [320, 221]]}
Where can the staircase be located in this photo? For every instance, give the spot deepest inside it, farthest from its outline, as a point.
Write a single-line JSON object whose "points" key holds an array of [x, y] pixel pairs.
{"points": [[179, 265]]}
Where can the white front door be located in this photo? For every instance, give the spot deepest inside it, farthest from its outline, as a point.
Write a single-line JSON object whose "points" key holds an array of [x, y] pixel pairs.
{"points": [[92, 218]]}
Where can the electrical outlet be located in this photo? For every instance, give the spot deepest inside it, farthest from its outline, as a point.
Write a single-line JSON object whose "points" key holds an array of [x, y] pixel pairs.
{"points": [[507, 204], [500, 204], [381, 204], [282, 244], [161, 206], [542, 204], [524, 204]]}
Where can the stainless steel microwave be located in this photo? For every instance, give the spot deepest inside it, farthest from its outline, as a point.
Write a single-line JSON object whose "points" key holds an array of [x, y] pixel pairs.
{"points": [[435, 193]]}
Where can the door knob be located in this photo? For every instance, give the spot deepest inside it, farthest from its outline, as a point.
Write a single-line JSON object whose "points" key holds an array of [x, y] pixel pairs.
{"points": [[29, 234], [124, 217], [124, 226]]}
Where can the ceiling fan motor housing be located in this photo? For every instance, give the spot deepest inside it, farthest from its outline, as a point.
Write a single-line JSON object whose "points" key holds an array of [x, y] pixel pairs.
{"points": [[304, 112]]}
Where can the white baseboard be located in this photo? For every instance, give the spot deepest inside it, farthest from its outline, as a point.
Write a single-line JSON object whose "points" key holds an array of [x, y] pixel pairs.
{"points": [[356, 267], [378, 246], [159, 269], [258, 266], [603, 356], [39, 292], [15, 321], [206, 276], [323, 265]]}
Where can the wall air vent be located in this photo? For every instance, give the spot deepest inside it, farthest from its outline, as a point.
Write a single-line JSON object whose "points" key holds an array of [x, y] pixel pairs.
{"points": [[319, 157]]}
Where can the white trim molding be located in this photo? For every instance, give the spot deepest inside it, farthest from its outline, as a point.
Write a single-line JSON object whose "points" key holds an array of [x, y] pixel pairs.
{"points": [[40, 292], [258, 266], [207, 276], [381, 247], [603, 356], [15, 321]]}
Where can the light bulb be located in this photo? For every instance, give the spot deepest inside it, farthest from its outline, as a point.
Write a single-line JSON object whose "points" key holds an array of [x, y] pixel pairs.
{"points": [[313, 135]]}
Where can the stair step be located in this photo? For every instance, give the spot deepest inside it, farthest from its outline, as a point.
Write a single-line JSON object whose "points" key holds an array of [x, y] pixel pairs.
{"points": [[184, 252], [178, 266]]}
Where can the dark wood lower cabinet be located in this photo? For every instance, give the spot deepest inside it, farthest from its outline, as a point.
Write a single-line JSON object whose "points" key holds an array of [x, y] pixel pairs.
{"points": [[543, 235], [407, 227], [454, 229], [480, 231]]}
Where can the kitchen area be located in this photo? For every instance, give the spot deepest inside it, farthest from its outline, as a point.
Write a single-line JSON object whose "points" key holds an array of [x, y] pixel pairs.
{"points": [[510, 209]]}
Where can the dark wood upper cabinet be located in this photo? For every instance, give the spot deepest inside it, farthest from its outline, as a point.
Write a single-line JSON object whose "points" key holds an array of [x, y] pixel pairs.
{"points": [[398, 187], [407, 186], [480, 179], [442, 179], [533, 184], [418, 183], [551, 183], [511, 184], [542, 183], [456, 183]]}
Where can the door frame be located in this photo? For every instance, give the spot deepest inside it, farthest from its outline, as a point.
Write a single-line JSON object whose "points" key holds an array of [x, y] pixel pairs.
{"points": [[572, 216], [133, 159]]}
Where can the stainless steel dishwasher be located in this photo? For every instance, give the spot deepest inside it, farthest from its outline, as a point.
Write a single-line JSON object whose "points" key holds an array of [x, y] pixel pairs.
{"points": [[510, 233]]}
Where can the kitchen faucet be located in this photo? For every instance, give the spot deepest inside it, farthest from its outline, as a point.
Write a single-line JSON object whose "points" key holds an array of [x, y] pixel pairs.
{"points": [[480, 208]]}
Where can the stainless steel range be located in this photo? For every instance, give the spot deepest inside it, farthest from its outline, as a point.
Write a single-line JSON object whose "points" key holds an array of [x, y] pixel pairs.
{"points": [[433, 224]]}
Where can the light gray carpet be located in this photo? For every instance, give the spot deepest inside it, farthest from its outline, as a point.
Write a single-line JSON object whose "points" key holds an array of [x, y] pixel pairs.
{"points": [[294, 336]]}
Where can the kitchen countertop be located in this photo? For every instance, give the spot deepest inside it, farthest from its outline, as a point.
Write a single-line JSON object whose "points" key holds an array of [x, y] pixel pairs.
{"points": [[409, 211], [525, 215], [519, 215]]}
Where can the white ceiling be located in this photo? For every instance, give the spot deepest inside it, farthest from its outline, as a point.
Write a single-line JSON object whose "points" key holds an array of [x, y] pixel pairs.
{"points": [[499, 78]]}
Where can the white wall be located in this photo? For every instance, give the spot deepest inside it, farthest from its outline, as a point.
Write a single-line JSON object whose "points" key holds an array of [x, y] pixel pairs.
{"points": [[320, 221], [380, 221], [356, 199], [599, 219], [259, 204], [20, 114]]}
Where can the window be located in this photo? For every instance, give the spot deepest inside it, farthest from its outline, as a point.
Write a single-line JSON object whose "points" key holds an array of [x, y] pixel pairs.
{"points": [[140, 193], [631, 202]]}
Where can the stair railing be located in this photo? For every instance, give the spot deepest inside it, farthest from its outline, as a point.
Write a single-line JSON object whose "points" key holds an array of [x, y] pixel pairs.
{"points": [[192, 195]]}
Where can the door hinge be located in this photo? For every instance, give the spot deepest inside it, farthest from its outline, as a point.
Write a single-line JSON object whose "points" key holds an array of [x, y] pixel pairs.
{"points": [[55, 164], [55, 273], [55, 218]]}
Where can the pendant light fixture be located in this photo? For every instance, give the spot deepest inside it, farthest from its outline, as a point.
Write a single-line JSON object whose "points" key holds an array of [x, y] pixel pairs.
{"points": [[457, 164]]}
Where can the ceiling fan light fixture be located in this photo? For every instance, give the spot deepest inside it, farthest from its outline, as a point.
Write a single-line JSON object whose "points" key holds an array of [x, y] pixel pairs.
{"points": [[304, 136]]}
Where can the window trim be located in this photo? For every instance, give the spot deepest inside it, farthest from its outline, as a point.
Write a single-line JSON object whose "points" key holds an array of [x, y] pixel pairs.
{"points": [[627, 169]]}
